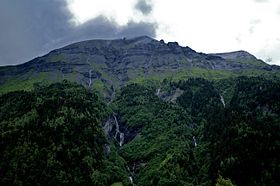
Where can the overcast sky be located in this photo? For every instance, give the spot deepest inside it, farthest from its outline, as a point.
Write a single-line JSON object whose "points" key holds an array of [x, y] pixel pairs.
{"points": [[30, 28]]}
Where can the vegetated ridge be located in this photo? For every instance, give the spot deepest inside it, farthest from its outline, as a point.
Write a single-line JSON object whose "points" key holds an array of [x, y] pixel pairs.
{"points": [[140, 112], [108, 64]]}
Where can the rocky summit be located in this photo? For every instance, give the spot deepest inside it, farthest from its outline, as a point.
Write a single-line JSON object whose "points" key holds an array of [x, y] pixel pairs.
{"points": [[111, 63], [171, 116]]}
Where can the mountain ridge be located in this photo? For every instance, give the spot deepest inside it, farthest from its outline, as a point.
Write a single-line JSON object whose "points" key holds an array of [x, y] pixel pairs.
{"points": [[106, 63], [171, 116]]}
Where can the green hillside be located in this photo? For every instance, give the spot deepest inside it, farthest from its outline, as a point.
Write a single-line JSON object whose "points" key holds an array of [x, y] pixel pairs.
{"points": [[188, 132], [140, 112], [105, 65]]}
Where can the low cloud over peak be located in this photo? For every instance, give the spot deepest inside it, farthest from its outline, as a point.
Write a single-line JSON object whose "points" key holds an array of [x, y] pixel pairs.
{"points": [[34, 28]]}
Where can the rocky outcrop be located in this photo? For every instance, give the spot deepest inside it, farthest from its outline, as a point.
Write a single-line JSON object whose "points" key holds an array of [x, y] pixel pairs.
{"points": [[120, 132], [115, 62], [237, 55]]}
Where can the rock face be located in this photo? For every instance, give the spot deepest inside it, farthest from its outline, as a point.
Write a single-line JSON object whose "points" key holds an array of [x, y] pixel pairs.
{"points": [[118, 131], [237, 55], [115, 62]]}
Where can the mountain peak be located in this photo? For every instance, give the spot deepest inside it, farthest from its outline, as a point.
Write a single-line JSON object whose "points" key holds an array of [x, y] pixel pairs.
{"points": [[141, 39], [236, 55], [106, 63]]}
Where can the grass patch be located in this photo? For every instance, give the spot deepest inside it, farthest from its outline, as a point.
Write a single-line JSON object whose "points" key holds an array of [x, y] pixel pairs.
{"points": [[56, 58], [117, 184], [15, 84]]}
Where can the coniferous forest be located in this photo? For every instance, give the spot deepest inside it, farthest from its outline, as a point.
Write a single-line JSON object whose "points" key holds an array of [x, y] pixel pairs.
{"points": [[188, 132]]}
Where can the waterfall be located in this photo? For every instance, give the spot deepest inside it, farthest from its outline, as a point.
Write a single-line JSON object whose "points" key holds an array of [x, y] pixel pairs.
{"points": [[194, 141], [107, 127], [158, 91], [117, 126], [130, 179], [90, 81], [121, 135], [89, 74], [131, 173], [107, 149], [121, 138], [223, 101]]}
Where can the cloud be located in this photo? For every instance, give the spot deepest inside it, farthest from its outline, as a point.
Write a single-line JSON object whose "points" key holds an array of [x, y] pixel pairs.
{"points": [[253, 24], [261, 1], [278, 10], [27, 27], [135, 29], [270, 51], [269, 60], [103, 28], [34, 28], [144, 7]]}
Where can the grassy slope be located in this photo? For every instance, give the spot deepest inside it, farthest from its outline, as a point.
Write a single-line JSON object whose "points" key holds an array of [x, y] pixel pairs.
{"points": [[26, 81]]}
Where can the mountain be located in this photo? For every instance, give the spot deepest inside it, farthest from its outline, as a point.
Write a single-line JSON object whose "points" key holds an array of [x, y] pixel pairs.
{"points": [[171, 116], [108, 64]]}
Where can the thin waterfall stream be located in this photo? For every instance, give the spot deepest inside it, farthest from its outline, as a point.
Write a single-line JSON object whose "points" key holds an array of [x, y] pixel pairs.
{"points": [[90, 80], [194, 141], [222, 100], [118, 132]]}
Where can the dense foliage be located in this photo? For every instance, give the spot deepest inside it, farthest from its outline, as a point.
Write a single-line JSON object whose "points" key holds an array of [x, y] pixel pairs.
{"points": [[162, 152], [192, 132], [243, 137], [51, 136], [246, 148]]}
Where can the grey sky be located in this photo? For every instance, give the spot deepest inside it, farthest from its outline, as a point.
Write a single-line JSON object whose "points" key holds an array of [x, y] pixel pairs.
{"points": [[33, 28], [261, 1], [30, 28], [27, 28]]}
